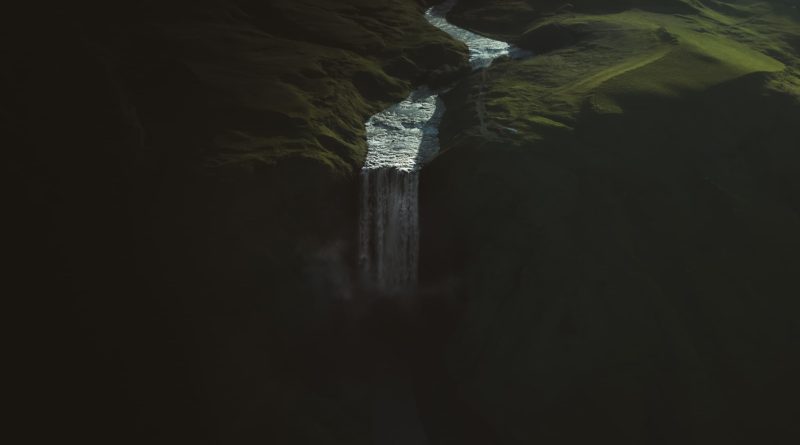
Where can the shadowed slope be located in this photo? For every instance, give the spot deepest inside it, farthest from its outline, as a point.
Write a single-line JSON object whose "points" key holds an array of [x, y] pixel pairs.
{"points": [[627, 238]]}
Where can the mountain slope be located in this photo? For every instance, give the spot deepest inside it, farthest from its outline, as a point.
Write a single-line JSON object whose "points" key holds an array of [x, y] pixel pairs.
{"points": [[623, 222]]}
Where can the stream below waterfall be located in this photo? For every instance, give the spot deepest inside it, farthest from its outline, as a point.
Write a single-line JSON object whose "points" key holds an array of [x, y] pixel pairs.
{"points": [[400, 140]]}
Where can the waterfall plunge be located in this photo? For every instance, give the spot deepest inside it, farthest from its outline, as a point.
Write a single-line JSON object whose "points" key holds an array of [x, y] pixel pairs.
{"points": [[389, 238], [400, 140]]}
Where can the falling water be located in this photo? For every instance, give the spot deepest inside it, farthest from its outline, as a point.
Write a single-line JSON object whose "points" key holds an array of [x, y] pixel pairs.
{"points": [[390, 229], [400, 140]]}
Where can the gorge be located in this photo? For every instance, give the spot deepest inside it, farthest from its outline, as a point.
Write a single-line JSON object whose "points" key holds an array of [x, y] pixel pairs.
{"points": [[358, 222], [400, 141]]}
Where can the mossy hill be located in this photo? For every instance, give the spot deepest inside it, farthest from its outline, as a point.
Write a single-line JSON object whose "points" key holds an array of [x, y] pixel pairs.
{"points": [[622, 213]]}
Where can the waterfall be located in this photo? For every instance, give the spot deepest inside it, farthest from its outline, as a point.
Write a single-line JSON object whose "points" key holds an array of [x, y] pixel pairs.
{"points": [[389, 229], [400, 140]]}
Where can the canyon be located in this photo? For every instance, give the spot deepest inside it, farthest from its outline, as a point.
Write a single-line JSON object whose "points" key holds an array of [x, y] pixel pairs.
{"points": [[607, 231]]}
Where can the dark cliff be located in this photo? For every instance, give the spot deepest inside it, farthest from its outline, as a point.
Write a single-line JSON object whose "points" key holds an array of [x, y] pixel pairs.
{"points": [[182, 207]]}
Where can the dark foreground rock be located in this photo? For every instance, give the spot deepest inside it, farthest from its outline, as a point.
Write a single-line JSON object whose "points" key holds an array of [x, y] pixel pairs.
{"points": [[182, 209]]}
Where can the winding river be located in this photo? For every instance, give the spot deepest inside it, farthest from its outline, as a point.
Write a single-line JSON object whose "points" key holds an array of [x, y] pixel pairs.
{"points": [[400, 141]]}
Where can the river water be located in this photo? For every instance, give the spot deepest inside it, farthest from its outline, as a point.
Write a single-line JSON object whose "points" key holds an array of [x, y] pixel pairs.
{"points": [[400, 141]]}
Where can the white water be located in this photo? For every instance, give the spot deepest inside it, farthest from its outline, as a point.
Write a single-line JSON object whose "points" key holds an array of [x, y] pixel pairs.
{"points": [[482, 50], [400, 140]]}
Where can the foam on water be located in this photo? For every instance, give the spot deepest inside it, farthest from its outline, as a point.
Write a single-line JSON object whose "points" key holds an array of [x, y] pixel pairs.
{"points": [[406, 135]]}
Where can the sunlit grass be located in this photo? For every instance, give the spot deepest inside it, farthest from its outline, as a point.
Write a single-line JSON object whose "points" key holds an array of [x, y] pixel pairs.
{"points": [[624, 59]]}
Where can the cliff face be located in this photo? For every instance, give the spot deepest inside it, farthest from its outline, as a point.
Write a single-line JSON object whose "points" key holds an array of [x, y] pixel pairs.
{"points": [[183, 205], [622, 214]]}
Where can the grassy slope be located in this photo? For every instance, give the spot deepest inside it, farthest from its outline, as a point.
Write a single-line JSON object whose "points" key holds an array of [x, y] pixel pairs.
{"points": [[318, 70], [629, 249], [292, 79]]}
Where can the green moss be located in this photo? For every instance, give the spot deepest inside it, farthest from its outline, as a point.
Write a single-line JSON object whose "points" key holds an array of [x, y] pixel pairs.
{"points": [[299, 79], [617, 60], [643, 217]]}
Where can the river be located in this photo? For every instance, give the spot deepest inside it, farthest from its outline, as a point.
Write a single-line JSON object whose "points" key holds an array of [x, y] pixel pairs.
{"points": [[400, 141]]}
